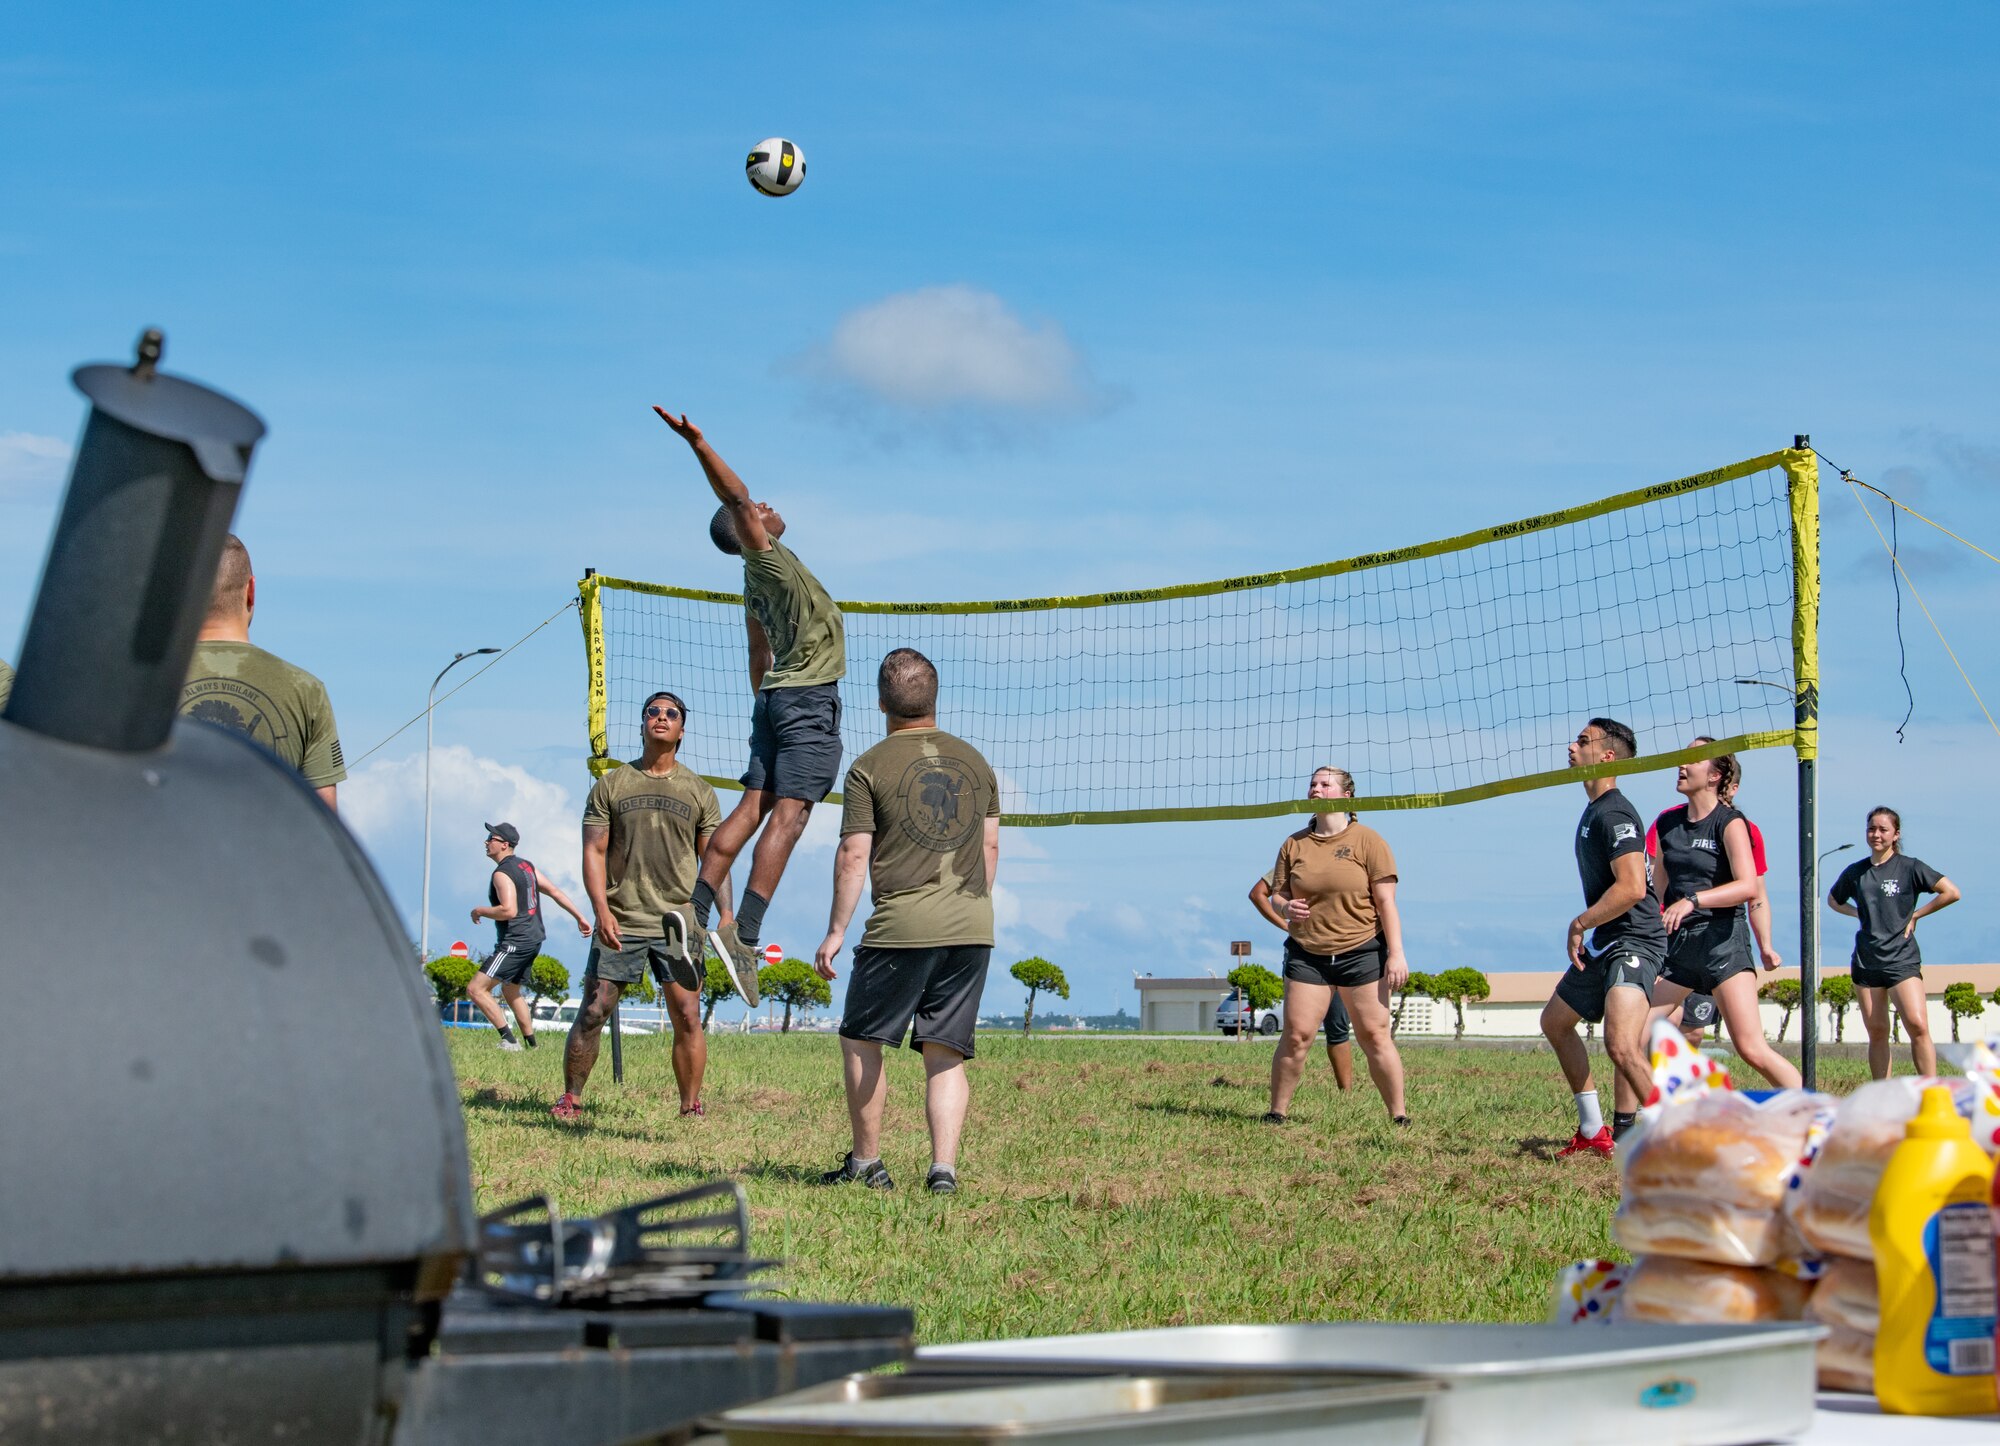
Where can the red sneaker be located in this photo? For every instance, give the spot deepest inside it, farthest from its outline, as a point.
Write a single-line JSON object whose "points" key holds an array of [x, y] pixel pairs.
{"points": [[1581, 1144], [697, 1109], [565, 1109]]}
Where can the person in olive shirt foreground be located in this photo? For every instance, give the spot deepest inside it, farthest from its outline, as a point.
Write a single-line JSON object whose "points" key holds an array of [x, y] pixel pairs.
{"points": [[644, 829], [1881, 891], [798, 654], [235, 684], [1335, 885], [6, 681], [514, 897], [922, 820]]}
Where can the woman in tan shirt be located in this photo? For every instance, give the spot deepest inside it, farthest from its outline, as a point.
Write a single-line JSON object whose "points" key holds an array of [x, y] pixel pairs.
{"points": [[1335, 881]]}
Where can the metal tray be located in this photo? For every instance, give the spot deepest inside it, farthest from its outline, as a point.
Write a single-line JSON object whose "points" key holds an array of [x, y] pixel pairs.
{"points": [[1553, 1385], [941, 1406]]}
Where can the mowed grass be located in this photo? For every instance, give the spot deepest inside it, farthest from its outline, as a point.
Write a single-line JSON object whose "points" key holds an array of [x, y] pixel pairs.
{"points": [[1108, 1183]]}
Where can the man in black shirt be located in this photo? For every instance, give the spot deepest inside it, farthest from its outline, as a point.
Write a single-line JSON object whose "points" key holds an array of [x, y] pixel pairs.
{"points": [[1881, 891], [1610, 975], [514, 904]]}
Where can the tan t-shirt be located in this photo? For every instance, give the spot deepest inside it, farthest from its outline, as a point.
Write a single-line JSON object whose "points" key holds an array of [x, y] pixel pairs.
{"points": [[649, 867], [807, 634], [925, 796], [1333, 875], [283, 707]]}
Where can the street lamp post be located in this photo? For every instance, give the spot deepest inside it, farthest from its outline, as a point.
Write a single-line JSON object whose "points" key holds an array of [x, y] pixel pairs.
{"points": [[430, 709]]}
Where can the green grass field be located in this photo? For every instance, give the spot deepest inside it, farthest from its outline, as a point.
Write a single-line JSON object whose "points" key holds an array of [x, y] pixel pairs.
{"points": [[1107, 1183]]}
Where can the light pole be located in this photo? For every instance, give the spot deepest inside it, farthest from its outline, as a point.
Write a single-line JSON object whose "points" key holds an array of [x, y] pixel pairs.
{"points": [[430, 709]]}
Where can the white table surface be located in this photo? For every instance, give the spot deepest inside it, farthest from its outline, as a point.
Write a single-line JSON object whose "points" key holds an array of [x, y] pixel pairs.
{"points": [[1844, 1420]]}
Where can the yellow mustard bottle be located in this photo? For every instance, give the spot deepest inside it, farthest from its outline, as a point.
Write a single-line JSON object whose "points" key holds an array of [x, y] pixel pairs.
{"points": [[1932, 1229]]}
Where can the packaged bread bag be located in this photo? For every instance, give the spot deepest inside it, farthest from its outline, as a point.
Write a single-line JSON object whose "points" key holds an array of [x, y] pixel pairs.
{"points": [[1707, 1172]]}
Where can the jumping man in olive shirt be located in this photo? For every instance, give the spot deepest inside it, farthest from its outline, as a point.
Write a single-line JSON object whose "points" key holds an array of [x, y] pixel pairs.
{"points": [[235, 684], [922, 816], [644, 829], [798, 654]]}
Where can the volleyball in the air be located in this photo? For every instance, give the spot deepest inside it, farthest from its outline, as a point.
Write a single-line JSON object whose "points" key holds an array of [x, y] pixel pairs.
{"points": [[776, 167]]}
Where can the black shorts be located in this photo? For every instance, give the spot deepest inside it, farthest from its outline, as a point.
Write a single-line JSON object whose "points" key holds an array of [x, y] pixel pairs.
{"points": [[1698, 1012], [630, 963], [1869, 976], [1358, 966], [795, 742], [1700, 959], [936, 989], [1621, 966], [1339, 1028], [511, 963]]}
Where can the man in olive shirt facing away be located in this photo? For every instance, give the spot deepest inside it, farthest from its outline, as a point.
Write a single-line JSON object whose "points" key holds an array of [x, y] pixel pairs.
{"points": [[644, 829], [235, 684], [798, 654], [6, 681], [922, 817]]}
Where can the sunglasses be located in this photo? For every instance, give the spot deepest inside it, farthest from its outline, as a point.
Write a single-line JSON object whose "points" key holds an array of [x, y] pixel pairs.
{"points": [[661, 710]]}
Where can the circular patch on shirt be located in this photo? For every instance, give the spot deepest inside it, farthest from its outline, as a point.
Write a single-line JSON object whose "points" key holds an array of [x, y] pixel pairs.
{"points": [[938, 799], [233, 703]]}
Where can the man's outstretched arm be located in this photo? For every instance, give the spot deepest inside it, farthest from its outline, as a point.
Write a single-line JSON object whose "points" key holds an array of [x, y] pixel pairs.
{"points": [[729, 488]]}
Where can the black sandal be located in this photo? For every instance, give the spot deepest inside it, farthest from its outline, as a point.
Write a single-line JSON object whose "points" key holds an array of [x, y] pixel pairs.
{"points": [[1272, 1117]]}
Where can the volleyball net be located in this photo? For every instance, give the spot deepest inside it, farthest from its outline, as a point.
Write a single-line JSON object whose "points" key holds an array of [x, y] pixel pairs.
{"points": [[1436, 674]]}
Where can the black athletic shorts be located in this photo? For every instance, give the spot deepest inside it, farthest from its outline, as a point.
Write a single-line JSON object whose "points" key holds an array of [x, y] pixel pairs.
{"points": [[1701, 958], [1698, 1012], [1339, 1028], [630, 963], [795, 742], [1867, 976], [1621, 966], [512, 963], [937, 990], [1358, 966]]}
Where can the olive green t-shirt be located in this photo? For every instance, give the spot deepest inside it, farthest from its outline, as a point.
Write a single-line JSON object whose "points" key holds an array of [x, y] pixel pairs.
{"points": [[649, 867], [925, 796], [807, 635], [6, 682], [285, 708], [1334, 875]]}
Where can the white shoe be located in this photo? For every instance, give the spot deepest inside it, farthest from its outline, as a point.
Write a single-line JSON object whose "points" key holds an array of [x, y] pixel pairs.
{"points": [[511, 1046]]}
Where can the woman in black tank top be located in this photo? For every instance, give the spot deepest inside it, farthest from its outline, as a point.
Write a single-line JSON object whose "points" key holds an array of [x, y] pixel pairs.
{"points": [[1709, 874]]}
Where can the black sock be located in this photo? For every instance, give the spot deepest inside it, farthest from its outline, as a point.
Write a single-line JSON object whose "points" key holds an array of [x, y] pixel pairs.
{"points": [[703, 901], [507, 1034], [750, 916], [528, 1039], [1621, 1121]]}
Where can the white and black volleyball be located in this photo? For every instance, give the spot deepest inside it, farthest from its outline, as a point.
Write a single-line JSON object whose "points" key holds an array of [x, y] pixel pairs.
{"points": [[776, 167]]}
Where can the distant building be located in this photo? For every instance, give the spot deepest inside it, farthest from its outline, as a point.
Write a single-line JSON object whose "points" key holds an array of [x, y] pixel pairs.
{"points": [[1514, 1009], [1179, 1006]]}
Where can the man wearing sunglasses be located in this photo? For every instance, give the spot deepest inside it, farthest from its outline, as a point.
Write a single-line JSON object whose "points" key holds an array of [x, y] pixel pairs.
{"points": [[644, 829], [798, 654]]}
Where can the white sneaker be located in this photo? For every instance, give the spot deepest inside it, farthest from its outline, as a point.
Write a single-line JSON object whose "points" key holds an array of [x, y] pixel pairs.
{"points": [[512, 1046]]}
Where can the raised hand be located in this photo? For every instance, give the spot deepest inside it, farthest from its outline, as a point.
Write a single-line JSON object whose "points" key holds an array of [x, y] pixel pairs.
{"points": [[684, 429]]}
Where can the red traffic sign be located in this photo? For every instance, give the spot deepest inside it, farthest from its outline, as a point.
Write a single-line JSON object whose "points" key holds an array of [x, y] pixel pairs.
{"points": [[772, 953], [459, 951]]}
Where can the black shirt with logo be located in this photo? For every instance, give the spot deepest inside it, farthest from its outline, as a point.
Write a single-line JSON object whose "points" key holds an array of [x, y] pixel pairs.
{"points": [[1886, 896], [1609, 829], [525, 928], [1694, 856]]}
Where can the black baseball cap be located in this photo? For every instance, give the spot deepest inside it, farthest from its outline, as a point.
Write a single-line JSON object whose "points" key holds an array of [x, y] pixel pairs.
{"points": [[505, 832]]}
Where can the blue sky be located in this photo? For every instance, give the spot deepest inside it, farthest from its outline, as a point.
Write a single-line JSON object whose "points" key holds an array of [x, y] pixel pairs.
{"points": [[1203, 292]]}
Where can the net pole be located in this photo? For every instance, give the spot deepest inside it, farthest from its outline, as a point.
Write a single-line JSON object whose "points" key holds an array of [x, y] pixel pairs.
{"points": [[1802, 465]]}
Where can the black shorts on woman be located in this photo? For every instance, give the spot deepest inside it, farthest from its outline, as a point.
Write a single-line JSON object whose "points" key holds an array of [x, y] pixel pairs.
{"points": [[1702, 955], [1352, 969]]}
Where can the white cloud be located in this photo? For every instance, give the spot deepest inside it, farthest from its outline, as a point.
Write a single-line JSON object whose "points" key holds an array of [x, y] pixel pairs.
{"points": [[384, 805], [31, 466], [953, 355]]}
